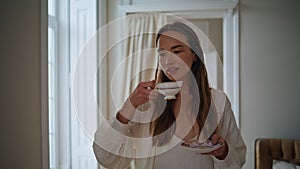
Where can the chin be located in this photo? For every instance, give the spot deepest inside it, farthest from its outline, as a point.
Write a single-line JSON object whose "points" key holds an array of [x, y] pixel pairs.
{"points": [[174, 77]]}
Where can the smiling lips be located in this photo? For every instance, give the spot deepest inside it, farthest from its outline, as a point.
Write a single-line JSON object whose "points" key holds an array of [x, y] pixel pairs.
{"points": [[172, 70]]}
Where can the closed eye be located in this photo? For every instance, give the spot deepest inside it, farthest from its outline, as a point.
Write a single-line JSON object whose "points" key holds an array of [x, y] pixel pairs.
{"points": [[177, 51]]}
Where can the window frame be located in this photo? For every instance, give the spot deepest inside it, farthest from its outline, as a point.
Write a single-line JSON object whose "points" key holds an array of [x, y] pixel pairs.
{"points": [[62, 149], [53, 132], [62, 24]]}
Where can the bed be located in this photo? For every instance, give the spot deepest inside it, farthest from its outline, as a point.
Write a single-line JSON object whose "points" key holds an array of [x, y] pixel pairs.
{"points": [[277, 153]]}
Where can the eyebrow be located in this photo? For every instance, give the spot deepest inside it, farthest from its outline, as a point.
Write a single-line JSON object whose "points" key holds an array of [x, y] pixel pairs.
{"points": [[176, 46], [173, 47]]}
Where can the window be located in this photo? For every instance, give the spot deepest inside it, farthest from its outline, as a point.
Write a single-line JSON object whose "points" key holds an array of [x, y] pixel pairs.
{"points": [[70, 25]]}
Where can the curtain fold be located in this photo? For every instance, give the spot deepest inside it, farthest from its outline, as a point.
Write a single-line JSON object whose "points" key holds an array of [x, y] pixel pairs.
{"points": [[138, 58], [138, 50], [127, 56]]}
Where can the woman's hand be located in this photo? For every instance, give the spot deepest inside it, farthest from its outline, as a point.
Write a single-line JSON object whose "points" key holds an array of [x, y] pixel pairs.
{"points": [[142, 93], [221, 152]]}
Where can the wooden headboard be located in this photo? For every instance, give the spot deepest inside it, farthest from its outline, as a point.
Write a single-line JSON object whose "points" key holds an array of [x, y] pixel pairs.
{"points": [[267, 150]]}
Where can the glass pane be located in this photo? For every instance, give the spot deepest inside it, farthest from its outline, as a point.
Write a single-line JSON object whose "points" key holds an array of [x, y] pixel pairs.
{"points": [[52, 151], [51, 62], [51, 45], [51, 80], [52, 88], [51, 7], [51, 116]]}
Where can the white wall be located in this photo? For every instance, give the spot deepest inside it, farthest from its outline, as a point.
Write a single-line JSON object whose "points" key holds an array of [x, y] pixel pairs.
{"points": [[270, 81], [20, 105]]}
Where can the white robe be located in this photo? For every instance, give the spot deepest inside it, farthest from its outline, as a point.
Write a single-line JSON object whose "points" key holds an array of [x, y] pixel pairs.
{"points": [[117, 144]]}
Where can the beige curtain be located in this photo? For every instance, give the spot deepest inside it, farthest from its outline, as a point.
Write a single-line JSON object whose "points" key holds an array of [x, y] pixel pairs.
{"points": [[127, 56], [136, 60], [139, 49]]}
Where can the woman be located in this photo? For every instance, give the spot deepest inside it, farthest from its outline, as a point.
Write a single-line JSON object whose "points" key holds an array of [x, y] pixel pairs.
{"points": [[198, 113]]}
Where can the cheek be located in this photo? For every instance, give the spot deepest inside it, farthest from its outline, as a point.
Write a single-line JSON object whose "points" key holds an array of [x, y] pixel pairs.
{"points": [[187, 61], [161, 63]]}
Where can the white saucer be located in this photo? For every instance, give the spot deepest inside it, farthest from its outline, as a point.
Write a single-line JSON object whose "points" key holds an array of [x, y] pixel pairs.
{"points": [[201, 147]]}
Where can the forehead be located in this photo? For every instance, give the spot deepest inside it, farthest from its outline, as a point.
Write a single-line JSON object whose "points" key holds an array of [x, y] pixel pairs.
{"points": [[170, 38]]}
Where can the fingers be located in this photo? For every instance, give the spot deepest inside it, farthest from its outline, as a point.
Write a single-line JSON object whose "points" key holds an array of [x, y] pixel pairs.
{"points": [[143, 92], [221, 152], [145, 88], [218, 151], [215, 138], [147, 85]]}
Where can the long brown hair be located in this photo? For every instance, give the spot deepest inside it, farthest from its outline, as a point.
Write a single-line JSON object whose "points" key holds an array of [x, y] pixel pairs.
{"points": [[164, 123]]}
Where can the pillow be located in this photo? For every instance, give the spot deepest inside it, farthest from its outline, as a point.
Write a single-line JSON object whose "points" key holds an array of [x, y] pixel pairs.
{"points": [[284, 165]]}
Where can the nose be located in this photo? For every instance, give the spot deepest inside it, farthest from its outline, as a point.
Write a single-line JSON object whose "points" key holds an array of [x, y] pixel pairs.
{"points": [[169, 59]]}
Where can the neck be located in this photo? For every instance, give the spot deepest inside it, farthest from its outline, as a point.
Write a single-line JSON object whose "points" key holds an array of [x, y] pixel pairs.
{"points": [[185, 91], [183, 100]]}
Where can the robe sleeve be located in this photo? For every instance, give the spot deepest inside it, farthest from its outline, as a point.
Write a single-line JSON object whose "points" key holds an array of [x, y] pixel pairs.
{"points": [[235, 158], [112, 144]]}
